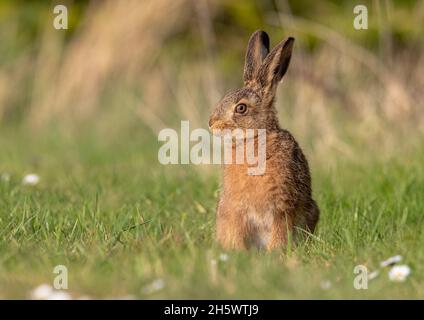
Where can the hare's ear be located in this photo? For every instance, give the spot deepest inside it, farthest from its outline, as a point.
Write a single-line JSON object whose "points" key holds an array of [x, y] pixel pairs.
{"points": [[276, 64], [257, 50]]}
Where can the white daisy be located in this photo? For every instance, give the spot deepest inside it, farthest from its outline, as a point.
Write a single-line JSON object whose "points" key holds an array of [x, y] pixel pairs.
{"points": [[391, 261], [46, 292], [223, 257], [373, 275], [59, 295], [42, 292], [156, 285], [31, 179], [399, 273]]}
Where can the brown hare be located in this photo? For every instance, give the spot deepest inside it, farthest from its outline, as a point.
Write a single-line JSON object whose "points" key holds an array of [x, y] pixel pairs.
{"points": [[262, 210]]}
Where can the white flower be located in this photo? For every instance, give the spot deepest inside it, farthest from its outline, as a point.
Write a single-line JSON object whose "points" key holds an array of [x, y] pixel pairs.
{"points": [[46, 292], [31, 179], [156, 285], [390, 261], [223, 257], [59, 295], [42, 292], [399, 273], [373, 275]]}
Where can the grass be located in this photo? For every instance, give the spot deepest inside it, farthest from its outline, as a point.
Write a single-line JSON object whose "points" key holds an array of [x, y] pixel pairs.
{"points": [[119, 220]]}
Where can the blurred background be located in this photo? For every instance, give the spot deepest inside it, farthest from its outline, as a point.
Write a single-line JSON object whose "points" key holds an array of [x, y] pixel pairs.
{"points": [[127, 69]]}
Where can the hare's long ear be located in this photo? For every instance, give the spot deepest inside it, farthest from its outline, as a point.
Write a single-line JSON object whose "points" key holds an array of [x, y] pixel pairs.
{"points": [[257, 50], [275, 65]]}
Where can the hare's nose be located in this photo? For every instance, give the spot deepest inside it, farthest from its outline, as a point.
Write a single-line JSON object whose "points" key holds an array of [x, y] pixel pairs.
{"points": [[211, 121]]}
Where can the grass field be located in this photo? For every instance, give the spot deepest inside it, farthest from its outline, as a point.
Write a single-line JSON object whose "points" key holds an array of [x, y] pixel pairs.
{"points": [[126, 226]]}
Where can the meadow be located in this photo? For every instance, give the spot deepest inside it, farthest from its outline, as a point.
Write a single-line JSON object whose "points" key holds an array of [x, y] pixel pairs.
{"points": [[127, 227], [82, 110]]}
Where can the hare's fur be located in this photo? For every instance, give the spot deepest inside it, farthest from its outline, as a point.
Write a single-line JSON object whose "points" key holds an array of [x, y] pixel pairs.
{"points": [[262, 210]]}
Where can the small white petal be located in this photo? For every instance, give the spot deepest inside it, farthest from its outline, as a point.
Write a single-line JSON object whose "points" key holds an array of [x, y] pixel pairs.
{"points": [[59, 295], [399, 273], [41, 292], [31, 179], [156, 285], [373, 275], [223, 257], [390, 261]]}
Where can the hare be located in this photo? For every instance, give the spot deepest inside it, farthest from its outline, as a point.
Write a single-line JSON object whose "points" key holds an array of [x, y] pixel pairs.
{"points": [[262, 210]]}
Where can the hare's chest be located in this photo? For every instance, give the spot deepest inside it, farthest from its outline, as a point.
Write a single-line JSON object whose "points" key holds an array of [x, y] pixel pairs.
{"points": [[260, 211], [252, 199], [260, 223]]}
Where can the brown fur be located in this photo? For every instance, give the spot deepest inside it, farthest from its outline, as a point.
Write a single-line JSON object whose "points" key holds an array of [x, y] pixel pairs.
{"points": [[263, 210]]}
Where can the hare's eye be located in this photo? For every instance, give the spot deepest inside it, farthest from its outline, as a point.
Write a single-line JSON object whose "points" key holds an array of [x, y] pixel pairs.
{"points": [[241, 108]]}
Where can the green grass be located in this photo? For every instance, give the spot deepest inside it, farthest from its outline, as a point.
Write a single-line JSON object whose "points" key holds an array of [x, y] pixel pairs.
{"points": [[118, 220]]}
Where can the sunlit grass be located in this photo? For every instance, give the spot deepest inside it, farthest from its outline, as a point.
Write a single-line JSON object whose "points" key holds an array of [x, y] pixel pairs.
{"points": [[120, 222]]}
